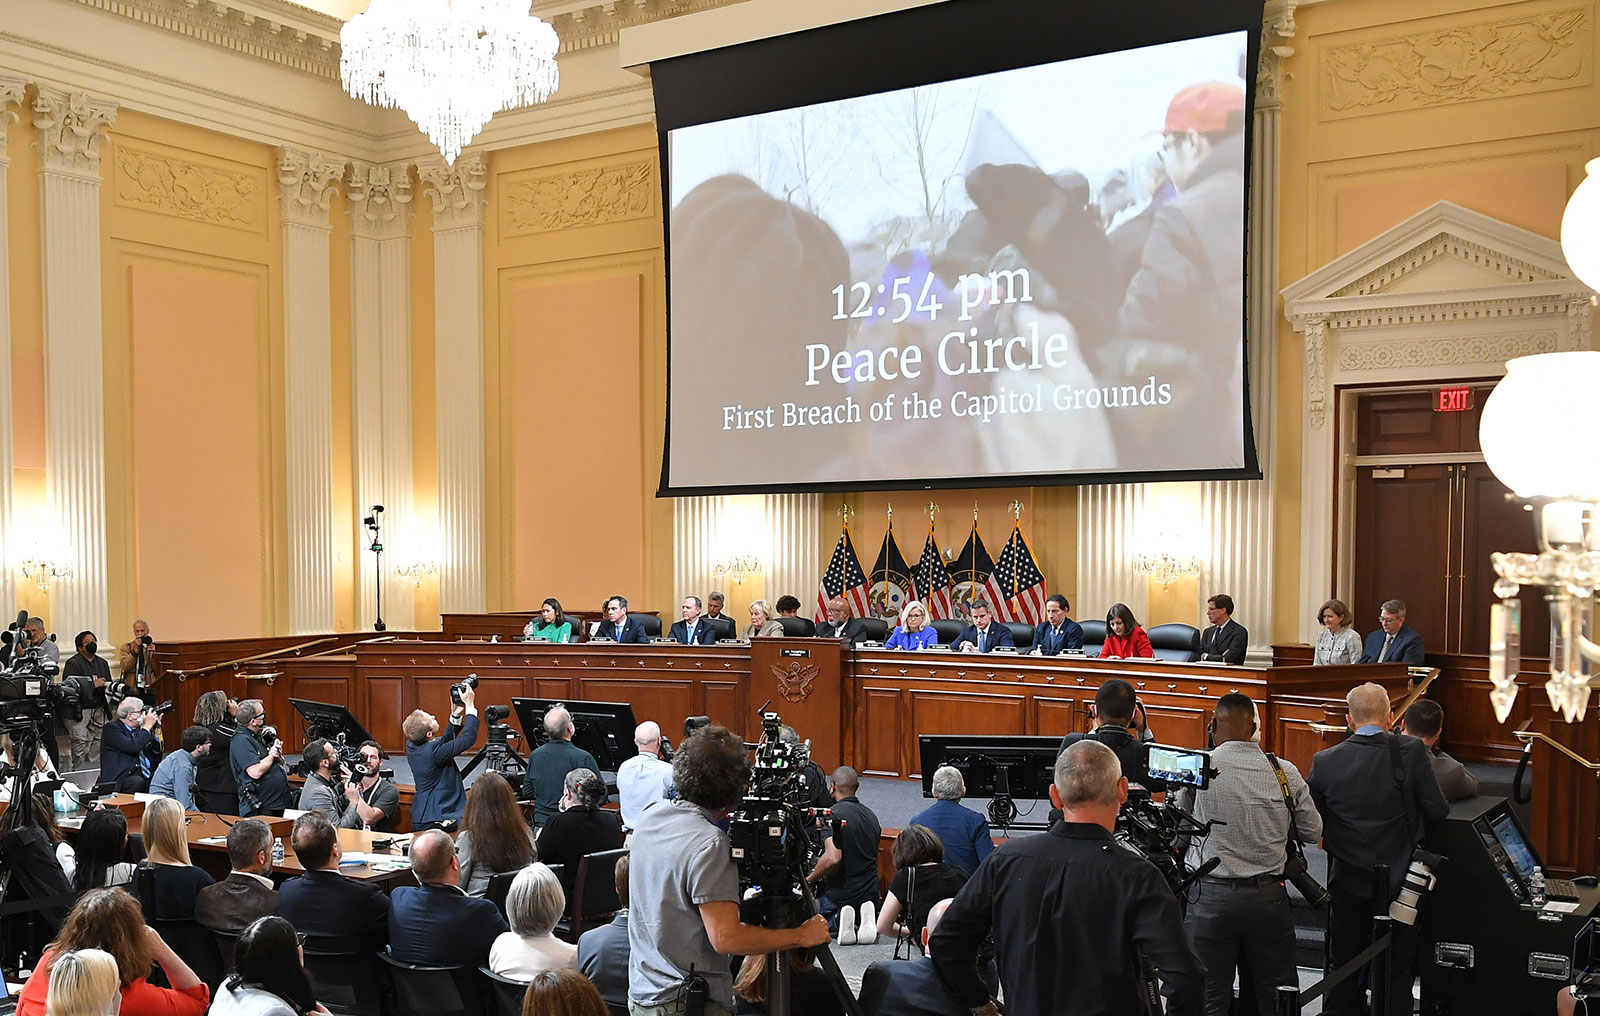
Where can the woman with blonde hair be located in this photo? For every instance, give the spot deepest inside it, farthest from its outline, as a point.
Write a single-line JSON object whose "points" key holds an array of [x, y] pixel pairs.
{"points": [[761, 623], [1337, 642], [173, 879], [913, 632], [83, 982]]}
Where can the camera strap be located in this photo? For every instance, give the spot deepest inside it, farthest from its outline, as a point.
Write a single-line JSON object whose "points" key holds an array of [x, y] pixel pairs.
{"points": [[1398, 770], [1294, 845]]}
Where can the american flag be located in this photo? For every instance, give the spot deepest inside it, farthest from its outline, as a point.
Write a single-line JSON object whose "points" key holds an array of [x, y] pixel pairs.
{"points": [[844, 577], [971, 571], [1017, 585], [930, 583]]}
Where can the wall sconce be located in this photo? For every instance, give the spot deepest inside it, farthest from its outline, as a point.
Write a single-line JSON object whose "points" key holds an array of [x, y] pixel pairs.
{"points": [[416, 571], [48, 558], [737, 567], [1167, 567], [44, 571]]}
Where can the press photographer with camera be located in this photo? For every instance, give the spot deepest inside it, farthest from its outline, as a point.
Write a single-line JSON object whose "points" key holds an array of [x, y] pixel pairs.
{"points": [[1119, 724], [133, 656], [1240, 912], [376, 803], [256, 756], [683, 920], [327, 788], [89, 677], [130, 751], [441, 793], [37, 639]]}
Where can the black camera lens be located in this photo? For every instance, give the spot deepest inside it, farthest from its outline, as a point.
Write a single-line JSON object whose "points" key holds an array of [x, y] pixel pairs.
{"points": [[494, 714]]}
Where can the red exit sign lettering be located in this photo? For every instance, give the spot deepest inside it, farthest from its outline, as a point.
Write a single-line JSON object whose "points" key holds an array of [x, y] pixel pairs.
{"points": [[1454, 400]]}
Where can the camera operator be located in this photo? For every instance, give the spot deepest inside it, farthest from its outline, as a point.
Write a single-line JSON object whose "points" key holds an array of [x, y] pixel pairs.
{"points": [[683, 920], [849, 863], [37, 638], [441, 795], [1240, 913], [1070, 912], [258, 768], [375, 804], [88, 675], [1375, 790], [328, 787], [1120, 725], [133, 656], [128, 744]]}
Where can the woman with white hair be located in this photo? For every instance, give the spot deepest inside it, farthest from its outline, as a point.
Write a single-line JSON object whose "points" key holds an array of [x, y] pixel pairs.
{"points": [[83, 982], [913, 632], [533, 906], [761, 623]]}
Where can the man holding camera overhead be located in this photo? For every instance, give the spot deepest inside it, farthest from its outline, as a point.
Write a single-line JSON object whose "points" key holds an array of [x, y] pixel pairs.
{"points": [[1240, 912], [441, 794], [258, 765]]}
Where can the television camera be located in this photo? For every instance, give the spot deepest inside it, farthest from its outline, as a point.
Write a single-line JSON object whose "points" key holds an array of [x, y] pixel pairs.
{"points": [[1161, 831]]}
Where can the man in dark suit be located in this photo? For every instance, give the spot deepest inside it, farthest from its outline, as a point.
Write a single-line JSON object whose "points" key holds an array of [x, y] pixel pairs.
{"points": [[618, 626], [435, 924], [1058, 633], [247, 893], [840, 625], [336, 914], [128, 749], [1226, 640], [726, 626], [890, 988], [984, 633], [1425, 722], [693, 630], [1394, 641], [1375, 791]]}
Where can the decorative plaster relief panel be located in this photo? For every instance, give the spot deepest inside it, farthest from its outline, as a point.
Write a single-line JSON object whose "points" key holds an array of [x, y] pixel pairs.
{"points": [[545, 202], [157, 180]]}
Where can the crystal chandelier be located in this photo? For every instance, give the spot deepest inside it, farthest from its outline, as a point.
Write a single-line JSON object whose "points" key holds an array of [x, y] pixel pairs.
{"points": [[449, 65], [1166, 567]]}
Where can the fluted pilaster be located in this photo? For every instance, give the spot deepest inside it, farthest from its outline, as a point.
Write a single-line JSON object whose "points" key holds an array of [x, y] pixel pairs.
{"points": [[786, 536], [380, 329], [1108, 521], [69, 137], [11, 94], [307, 182], [458, 221]]}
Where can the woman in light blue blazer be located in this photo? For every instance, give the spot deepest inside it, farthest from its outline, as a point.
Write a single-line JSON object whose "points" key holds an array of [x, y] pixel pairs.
{"points": [[913, 632]]}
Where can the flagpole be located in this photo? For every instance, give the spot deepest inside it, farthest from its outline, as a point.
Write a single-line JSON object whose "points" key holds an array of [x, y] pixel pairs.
{"points": [[1016, 531]]}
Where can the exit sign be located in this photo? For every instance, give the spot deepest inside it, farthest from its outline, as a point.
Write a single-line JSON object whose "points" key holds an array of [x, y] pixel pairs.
{"points": [[1454, 400]]}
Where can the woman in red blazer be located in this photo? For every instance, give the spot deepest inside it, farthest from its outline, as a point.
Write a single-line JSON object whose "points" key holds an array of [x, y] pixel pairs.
{"points": [[1125, 640]]}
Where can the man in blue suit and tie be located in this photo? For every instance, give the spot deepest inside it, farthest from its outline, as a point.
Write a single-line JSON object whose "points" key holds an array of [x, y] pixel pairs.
{"points": [[618, 626], [435, 924], [984, 633], [1394, 641], [1059, 633], [693, 630]]}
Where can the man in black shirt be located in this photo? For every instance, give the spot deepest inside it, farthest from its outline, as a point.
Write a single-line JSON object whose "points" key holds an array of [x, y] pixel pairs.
{"points": [[1115, 711], [548, 766], [1071, 912], [849, 864], [89, 676]]}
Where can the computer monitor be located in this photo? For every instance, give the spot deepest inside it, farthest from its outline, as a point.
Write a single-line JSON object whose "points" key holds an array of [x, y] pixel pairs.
{"points": [[327, 720], [1027, 764], [603, 729], [1509, 849]]}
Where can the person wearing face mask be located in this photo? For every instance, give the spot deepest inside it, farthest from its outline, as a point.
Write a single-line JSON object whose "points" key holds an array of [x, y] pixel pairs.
{"points": [[132, 750], [258, 769], [89, 676]]}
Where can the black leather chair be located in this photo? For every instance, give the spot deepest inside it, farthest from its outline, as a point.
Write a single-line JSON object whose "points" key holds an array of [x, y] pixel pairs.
{"points": [[505, 994], [726, 628], [580, 631], [346, 982], [594, 894], [197, 945], [1094, 636], [798, 627], [436, 991], [500, 888], [225, 943], [947, 629], [1177, 642], [652, 624], [1021, 634], [876, 629]]}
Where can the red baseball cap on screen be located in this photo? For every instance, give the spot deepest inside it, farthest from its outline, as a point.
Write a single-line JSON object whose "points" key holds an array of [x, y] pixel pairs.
{"points": [[1203, 108]]}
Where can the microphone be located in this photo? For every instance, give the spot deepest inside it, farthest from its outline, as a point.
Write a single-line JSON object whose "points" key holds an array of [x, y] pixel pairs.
{"points": [[22, 620], [1196, 875]]}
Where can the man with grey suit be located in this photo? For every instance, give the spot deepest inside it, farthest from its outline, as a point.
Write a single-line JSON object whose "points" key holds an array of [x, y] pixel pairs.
{"points": [[1425, 722]]}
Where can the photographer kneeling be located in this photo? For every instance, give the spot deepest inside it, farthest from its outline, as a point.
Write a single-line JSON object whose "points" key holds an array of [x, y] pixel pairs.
{"points": [[328, 788], [683, 920], [441, 793]]}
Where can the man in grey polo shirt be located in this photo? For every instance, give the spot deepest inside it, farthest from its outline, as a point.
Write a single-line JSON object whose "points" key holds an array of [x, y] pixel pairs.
{"points": [[683, 919]]}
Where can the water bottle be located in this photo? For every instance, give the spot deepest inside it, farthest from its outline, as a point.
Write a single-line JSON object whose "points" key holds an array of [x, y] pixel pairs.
{"points": [[277, 848], [1536, 887]]}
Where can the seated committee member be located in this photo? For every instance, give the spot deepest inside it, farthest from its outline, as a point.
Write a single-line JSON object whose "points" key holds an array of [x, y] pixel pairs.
{"points": [[788, 605], [984, 633], [550, 624], [230, 906], [441, 794], [840, 625], [714, 603], [913, 632], [964, 833], [533, 906], [581, 826], [645, 777], [761, 623], [1125, 640], [174, 777], [1425, 722], [494, 837], [1226, 640], [336, 914], [1057, 633], [435, 924], [890, 988], [1338, 641], [618, 626], [549, 764], [693, 630], [1394, 641], [126, 746], [603, 951]]}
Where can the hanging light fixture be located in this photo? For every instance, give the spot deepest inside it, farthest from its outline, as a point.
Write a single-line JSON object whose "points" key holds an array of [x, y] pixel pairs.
{"points": [[450, 65]]}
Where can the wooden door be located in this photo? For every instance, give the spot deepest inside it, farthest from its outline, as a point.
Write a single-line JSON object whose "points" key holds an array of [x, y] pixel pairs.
{"points": [[1402, 546], [1493, 520]]}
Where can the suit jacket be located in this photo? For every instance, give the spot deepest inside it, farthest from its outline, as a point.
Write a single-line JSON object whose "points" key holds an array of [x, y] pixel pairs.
{"points": [[705, 633], [890, 988], [1226, 641], [441, 926], [336, 914], [1365, 822], [999, 634], [853, 630], [231, 905], [1455, 782], [632, 631], [1406, 648], [121, 748], [1047, 643]]}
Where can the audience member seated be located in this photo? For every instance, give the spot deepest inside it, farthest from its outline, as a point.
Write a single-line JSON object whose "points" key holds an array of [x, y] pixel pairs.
{"points": [[441, 793], [110, 919], [914, 632], [850, 864], [174, 777], [761, 623], [166, 844], [922, 878], [1125, 640], [550, 763], [1394, 641], [693, 630], [983, 635], [83, 982], [551, 624], [102, 850], [788, 605], [892, 988], [1057, 633], [45, 815], [840, 625], [127, 747], [1338, 641], [494, 836], [618, 626], [581, 827], [645, 777], [336, 914], [214, 787], [1226, 640], [964, 833], [1424, 720], [232, 905], [562, 992], [603, 951], [269, 976], [533, 906], [435, 924], [811, 990]]}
